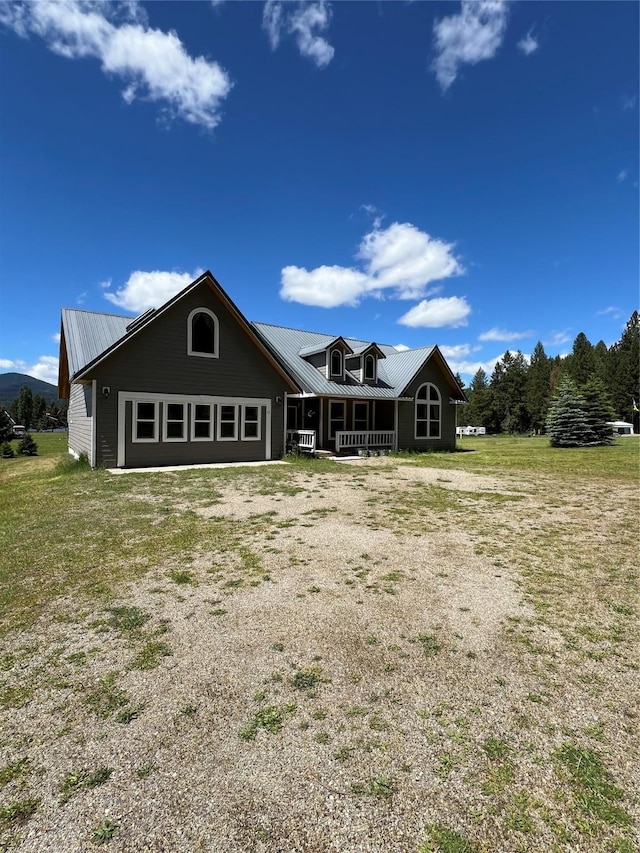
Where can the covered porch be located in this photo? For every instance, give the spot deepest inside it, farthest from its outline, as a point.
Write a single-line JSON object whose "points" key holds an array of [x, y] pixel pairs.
{"points": [[341, 425]]}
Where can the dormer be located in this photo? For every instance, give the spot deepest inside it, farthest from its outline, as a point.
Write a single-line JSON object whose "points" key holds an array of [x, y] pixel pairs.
{"points": [[329, 357], [363, 363]]}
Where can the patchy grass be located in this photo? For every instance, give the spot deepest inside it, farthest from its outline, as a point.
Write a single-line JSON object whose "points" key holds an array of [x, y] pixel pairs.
{"points": [[483, 647]]}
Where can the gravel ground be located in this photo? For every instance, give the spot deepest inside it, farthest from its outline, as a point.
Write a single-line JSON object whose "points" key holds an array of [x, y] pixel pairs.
{"points": [[387, 653]]}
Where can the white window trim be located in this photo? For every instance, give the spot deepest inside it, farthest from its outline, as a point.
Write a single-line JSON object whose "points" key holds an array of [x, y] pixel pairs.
{"points": [[257, 437], [193, 422], [331, 420], [368, 421], [427, 402], [216, 334], [135, 419], [165, 422], [333, 375], [373, 378], [219, 421], [131, 397]]}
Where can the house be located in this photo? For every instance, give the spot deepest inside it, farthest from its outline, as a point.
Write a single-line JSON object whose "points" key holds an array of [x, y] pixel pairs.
{"points": [[194, 382], [359, 394], [620, 427]]}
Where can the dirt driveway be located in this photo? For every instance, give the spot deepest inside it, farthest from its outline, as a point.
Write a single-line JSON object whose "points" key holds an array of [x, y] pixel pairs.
{"points": [[400, 659]]}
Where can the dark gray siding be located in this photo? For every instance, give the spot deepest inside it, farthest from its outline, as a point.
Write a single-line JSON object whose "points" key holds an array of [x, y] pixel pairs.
{"points": [[406, 414], [79, 419], [155, 361]]}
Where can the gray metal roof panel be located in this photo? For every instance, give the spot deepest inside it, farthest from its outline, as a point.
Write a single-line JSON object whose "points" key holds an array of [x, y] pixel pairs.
{"points": [[88, 334], [393, 376]]}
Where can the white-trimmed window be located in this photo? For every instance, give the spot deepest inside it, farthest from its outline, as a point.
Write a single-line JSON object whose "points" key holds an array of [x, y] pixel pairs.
{"points": [[361, 416], [336, 417], [145, 421], [227, 423], [428, 411], [174, 425], [369, 368], [202, 333], [336, 363], [251, 423], [201, 422]]}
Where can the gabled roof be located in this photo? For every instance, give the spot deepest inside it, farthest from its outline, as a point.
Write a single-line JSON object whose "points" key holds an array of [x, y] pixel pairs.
{"points": [[312, 349], [87, 337], [394, 374]]}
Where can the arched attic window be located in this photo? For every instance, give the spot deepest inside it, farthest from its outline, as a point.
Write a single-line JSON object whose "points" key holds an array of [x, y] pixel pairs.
{"points": [[370, 368], [428, 411], [336, 362], [202, 333]]}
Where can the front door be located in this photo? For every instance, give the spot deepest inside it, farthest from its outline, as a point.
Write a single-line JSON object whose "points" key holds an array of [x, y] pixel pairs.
{"points": [[336, 417]]}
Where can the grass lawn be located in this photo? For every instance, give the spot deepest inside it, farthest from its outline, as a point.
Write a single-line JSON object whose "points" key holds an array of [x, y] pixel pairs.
{"points": [[418, 653]]}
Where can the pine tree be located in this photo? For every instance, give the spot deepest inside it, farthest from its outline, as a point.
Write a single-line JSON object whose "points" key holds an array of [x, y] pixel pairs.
{"points": [[567, 423], [27, 446], [598, 411], [24, 407], [6, 430], [478, 412], [625, 370], [539, 387], [582, 363]]}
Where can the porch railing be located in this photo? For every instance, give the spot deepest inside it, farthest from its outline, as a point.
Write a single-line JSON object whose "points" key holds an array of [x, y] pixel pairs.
{"points": [[302, 439], [365, 439]]}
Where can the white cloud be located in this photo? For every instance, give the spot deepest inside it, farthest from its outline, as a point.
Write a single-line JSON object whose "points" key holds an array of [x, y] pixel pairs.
{"points": [[305, 22], [149, 289], [556, 339], [528, 44], [612, 310], [622, 176], [469, 368], [435, 313], [401, 259], [46, 368], [325, 287], [154, 64], [456, 351], [407, 259], [476, 33], [496, 334], [56, 338], [401, 347]]}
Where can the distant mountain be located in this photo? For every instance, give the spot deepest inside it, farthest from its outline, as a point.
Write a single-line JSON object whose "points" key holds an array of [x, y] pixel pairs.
{"points": [[11, 383]]}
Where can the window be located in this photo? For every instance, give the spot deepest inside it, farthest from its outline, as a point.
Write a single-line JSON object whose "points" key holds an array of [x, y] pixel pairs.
{"points": [[174, 422], [370, 368], [428, 411], [201, 422], [361, 417], [336, 363], [145, 424], [227, 423], [250, 423], [202, 333], [336, 417]]}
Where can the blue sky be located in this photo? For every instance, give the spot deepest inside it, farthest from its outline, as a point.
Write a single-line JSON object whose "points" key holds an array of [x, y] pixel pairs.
{"points": [[463, 174]]}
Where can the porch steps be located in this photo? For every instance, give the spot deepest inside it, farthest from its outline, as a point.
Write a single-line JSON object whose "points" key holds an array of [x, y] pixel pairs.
{"points": [[324, 454]]}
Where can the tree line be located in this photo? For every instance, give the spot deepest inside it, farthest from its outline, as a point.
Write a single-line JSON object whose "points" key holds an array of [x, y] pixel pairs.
{"points": [[33, 412], [518, 395]]}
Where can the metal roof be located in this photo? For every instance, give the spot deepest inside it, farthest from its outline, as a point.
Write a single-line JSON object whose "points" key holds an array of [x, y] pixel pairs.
{"points": [[394, 374], [88, 334]]}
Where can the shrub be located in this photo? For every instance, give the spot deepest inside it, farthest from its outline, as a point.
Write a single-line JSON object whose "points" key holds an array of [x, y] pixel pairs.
{"points": [[27, 446]]}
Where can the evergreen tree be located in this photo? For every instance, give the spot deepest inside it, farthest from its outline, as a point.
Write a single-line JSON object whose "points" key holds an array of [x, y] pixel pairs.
{"points": [[39, 416], [24, 407], [598, 411], [582, 362], [518, 419], [478, 412], [624, 381], [567, 423], [27, 446], [6, 430], [539, 387]]}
